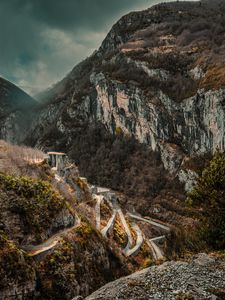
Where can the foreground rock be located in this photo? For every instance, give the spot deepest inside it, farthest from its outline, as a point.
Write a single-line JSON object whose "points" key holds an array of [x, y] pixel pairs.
{"points": [[201, 278]]}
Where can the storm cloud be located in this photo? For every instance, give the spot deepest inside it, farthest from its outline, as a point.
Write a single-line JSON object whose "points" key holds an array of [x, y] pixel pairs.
{"points": [[42, 40]]}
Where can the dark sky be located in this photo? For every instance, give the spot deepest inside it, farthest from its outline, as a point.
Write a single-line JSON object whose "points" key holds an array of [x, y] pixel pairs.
{"points": [[42, 40]]}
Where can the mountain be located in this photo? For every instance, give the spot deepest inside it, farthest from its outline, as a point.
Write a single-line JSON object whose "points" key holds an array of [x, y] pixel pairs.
{"points": [[148, 105], [157, 76], [15, 111]]}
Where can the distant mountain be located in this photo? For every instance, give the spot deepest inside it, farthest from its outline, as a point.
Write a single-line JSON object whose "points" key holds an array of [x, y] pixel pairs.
{"points": [[16, 109]]}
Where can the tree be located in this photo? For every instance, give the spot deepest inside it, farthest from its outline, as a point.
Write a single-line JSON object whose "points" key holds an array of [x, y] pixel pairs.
{"points": [[209, 196]]}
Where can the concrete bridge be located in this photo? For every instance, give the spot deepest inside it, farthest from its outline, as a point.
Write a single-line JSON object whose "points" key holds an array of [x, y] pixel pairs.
{"points": [[57, 160]]}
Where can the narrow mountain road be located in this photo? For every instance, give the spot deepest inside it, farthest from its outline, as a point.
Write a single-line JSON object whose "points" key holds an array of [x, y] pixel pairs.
{"points": [[128, 250], [127, 230], [99, 199], [139, 241], [109, 225], [159, 238], [156, 251], [51, 242], [154, 223]]}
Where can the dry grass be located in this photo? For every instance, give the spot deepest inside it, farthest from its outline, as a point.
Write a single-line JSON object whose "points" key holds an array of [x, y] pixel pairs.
{"points": [[13, 157], [215, 78]]}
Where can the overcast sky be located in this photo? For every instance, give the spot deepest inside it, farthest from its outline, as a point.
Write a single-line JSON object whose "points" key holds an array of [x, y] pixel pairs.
{"points": [[42, 40]]}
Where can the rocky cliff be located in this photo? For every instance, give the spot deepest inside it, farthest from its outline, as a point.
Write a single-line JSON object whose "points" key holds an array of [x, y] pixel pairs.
{"points": [[158, 76]]}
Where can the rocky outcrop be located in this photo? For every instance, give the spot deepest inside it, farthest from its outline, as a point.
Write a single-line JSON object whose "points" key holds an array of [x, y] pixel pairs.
{"points": [[196, 124], [200, 278]]}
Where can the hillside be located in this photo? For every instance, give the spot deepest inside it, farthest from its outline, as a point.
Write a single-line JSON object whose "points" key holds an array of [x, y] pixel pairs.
{"points": [[45, 228], [63, 236]]}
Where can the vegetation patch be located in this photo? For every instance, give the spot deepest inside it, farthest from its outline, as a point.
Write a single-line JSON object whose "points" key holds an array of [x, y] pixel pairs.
{"points": [[15, 266], [81, 183], [143, 259], [106, 211], [119, 234], [82, 262], [215, 78], [34, 201], [198, 163], [84, 232], [209, 196], [206, 202]]}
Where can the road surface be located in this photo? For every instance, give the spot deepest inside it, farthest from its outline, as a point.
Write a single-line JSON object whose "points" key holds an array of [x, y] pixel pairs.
{"points": [[156, 251], [99, 199], [154, 223], [139, 241], [127, 230], [109, 225], [51, 242]]}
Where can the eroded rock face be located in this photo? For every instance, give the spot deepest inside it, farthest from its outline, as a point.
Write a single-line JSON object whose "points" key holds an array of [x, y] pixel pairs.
{"points": [[149, 79], [200, 278], [196, 124]]}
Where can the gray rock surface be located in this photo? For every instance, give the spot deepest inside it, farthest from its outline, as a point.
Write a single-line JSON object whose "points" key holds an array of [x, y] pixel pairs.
{"points": [[203, 277]]}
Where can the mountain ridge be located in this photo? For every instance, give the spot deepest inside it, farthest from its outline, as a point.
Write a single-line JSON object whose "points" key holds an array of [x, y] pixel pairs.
{"points": [[14, 104]]}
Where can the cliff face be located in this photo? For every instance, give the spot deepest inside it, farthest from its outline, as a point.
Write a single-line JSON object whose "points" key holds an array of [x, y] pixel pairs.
{"points": [[158, 76], [14, 107]]}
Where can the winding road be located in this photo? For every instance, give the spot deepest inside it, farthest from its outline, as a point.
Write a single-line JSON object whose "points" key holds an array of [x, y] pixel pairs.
{"points": [[99, 200], [109, 225], [156, 251], [51, 242], [127, 230], [139, 241], [104, 194], [129, 250], [154, 223]]}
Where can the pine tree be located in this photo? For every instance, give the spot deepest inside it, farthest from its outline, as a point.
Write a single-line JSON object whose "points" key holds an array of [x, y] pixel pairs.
{"points": [[209, 197]]}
